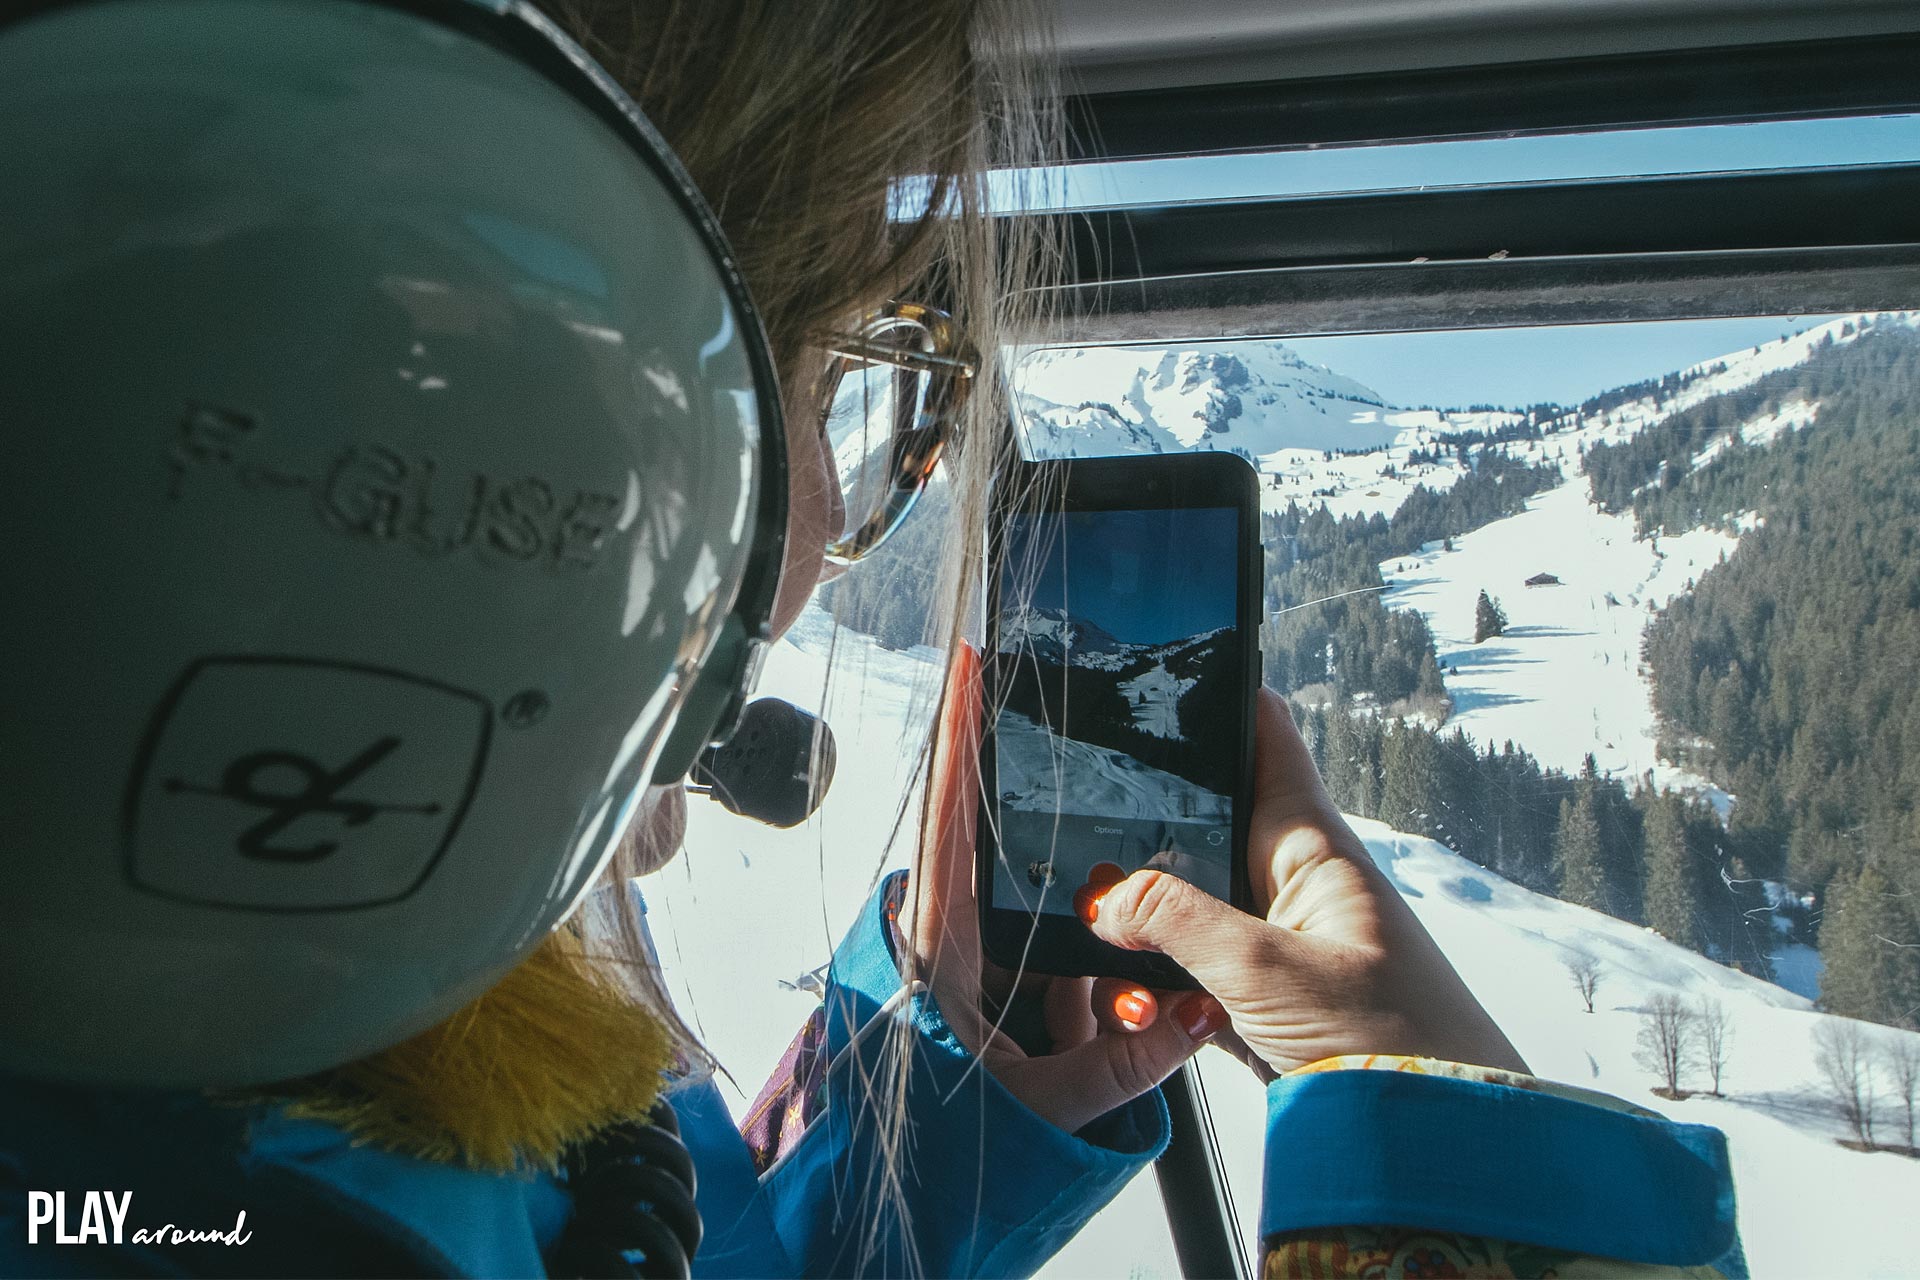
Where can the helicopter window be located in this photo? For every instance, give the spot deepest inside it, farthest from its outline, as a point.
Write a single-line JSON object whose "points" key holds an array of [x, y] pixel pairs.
{"points": [[1573, 618]]}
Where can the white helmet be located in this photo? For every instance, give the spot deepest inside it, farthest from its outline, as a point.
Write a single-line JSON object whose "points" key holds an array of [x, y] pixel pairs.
{"points": [[396, 486]]}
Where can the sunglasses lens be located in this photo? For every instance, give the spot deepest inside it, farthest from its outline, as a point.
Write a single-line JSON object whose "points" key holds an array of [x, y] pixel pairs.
{"points": [[898, 388], [873, 409]]}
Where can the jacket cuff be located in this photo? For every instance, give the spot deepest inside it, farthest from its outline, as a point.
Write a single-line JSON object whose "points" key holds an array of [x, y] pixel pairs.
{"points": [[1501, 1161], [964, 1121], [865, 976]]}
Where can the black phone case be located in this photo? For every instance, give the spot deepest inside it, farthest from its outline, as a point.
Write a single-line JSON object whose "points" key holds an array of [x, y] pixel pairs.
{"points": [[1038, 942]]}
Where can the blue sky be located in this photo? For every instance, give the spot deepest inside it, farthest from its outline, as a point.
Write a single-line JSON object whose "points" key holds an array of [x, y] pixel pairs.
{"points": [[1143, 576], [1771, 144], [1504, 366], [1518, 367]]}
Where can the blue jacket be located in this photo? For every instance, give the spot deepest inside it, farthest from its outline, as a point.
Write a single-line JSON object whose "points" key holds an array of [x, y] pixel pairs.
{"points": [[989, 1188]]}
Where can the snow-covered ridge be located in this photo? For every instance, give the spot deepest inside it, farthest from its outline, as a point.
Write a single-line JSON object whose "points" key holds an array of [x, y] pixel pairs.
{"points": [[1054, 636], [1051, 635], [1732, 372], [1101, 401], [1257, 398]]}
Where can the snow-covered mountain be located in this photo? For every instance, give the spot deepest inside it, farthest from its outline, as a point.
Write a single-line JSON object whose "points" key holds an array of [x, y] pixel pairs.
{"points": [[1259, 398], [1109, 685], [1565, 680], [1052, 636]]}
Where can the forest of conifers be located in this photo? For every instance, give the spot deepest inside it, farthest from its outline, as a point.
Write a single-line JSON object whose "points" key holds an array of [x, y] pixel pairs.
{"points": [[1791, 674]]}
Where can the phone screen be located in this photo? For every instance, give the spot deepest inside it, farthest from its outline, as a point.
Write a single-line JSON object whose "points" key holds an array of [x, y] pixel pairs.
{"points": [[1116, 737]]}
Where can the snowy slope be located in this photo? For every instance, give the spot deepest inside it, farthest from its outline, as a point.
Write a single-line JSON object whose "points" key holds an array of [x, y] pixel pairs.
{"points": [[1033, 765], [1565, 679], [1155, 697], [746, 909]]}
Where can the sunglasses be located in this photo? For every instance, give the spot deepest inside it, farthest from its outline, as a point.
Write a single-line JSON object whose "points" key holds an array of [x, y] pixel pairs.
{"points": [[890, 401]]}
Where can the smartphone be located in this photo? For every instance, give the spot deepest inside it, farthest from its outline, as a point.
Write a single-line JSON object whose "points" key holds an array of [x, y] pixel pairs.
{"points": [[1122, 657]]}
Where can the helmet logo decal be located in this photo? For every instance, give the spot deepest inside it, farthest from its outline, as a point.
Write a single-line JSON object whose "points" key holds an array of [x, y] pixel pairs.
{"points": [[525, 709], [375, 493], [294, 784], [319, 792]]}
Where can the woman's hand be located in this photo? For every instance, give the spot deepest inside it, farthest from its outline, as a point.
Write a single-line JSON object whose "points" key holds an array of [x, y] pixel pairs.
{"points": [[1339, 965], [1110, 1042]]}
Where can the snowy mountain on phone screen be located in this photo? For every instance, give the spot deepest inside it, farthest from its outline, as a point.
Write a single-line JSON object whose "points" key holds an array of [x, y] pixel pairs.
{"points": [[1141, 705], [1052, 636], [1253, 397]]}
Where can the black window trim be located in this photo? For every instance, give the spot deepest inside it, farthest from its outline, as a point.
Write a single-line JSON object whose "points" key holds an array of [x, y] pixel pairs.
{"points": [[1856, 75]]}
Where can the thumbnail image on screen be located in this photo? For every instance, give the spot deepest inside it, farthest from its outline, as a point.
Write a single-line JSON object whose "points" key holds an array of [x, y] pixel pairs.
{"points": [[1119, 668]]}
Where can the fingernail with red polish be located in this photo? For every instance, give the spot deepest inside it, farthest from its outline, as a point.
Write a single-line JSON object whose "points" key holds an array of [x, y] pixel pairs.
{"points": [[1129, 1007], [1200, 1015], [1086, 901]]}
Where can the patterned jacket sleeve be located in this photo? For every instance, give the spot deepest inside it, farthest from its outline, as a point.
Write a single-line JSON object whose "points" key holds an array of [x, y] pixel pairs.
{"points": [[1390, 1167]]}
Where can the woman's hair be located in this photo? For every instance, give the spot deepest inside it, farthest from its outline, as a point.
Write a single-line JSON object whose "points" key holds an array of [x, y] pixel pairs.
{"points": [[848, 147], [854, 152]]}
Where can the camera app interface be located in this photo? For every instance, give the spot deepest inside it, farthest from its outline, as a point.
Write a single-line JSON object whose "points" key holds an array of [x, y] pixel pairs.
{"points": [[1119, 660]]}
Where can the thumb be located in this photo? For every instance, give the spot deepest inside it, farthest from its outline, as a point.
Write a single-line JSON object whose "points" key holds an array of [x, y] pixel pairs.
{"points": [[1223, 948], [1090, 1079]]}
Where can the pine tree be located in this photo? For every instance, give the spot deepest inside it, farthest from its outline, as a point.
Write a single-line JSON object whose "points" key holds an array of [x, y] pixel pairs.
{"points": [[1673, 898], [1345, 768], [1758, 822], [1370, 737], [1576, 848], [1488, 618], [1866, 942], [1410, 793], [1620, 846]]}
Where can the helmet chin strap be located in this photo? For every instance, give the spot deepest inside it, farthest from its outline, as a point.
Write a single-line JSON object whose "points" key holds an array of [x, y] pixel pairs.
{"points": [[776, 767]]}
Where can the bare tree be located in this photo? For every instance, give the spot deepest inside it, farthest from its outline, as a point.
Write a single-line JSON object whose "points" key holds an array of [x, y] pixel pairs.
{"points": [[1842, 1052], [1716, 1037], [1668, 1030], [1902, 1059], [1585, 971]]}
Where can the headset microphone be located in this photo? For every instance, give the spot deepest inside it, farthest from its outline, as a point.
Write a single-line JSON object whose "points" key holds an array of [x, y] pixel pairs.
{"points": [[775, 769]]}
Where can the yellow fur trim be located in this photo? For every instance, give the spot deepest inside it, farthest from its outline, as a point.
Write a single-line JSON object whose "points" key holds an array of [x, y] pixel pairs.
{"points": [[550, 1056]]}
